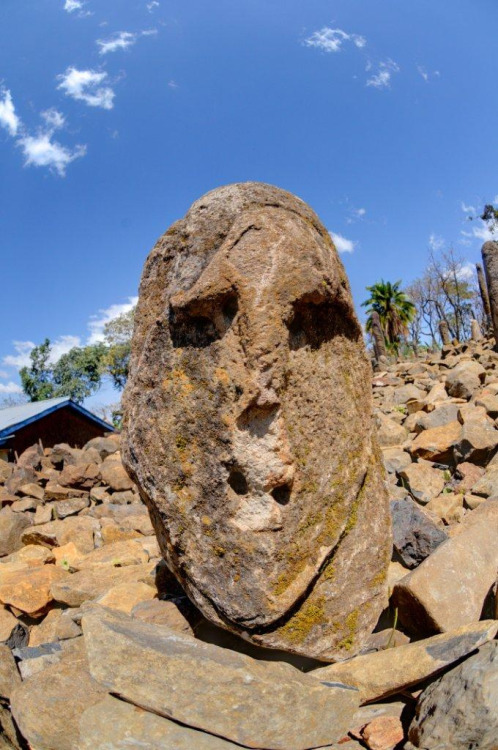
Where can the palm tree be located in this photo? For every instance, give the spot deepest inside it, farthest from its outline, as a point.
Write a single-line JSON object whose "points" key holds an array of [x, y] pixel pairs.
{"points": [[394, 308]]}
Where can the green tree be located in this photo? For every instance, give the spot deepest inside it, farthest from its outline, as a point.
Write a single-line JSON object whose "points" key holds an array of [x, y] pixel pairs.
{"points": [[394, 308], [76, 374], [117, 336], [490, 217], [37, 379]]}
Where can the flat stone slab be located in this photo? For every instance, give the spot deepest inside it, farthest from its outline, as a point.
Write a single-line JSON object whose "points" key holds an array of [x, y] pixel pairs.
{"points": [[387, 672], [253, 703], [116, 725]]}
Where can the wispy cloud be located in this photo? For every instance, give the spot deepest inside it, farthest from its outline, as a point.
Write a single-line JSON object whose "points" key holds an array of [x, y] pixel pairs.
{"points": [[342, 244], [152, 5], [356, 214], [121, 40], [381, 78], [21, 358], [332, 40], [10, 387], [97, 322], [426, 75], [72, 5], [436, 242], [466, 272], [85, 86], [468, 209], [173, 84], [8, 117]]}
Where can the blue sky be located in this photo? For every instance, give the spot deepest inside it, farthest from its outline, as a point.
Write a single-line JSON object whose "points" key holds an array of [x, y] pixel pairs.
{"points": [[115, 115]]}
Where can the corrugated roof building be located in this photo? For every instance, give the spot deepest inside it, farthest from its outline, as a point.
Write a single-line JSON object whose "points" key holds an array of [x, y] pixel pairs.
{"points": [[56, 420]]}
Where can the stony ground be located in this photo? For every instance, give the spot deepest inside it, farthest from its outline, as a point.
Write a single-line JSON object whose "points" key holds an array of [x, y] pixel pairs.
{"points": [[100, 649]]}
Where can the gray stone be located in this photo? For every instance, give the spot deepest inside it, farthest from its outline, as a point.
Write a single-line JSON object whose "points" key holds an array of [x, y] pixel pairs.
{"points": [[464, 379], [253, 703], [450, 587], [460, 710], [113, 724], [247, 424], [437, 418], [395, 459], [415, 535]]}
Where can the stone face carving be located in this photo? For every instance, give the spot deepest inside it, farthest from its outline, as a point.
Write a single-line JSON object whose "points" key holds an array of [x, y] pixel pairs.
{"points": [[248, 424]]}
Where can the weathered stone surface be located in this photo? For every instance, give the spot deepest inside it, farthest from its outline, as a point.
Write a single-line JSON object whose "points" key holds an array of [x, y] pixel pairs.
{"points": [[58, 533], [387, 672], [56, 626], [70, 507], [9, 674], [477, 441], [11, 527], [113, 724], [114, 474], [88, 584], [253, 703], [468, 474], [125, 596], [437, 443], [28, 589], [383, 733], [487, 485], [47, 706], [395, 459], [389, 433], [464, 379], [162, 613], [459, 711], [439, 417], [424, 482], [450, 587], [104, 445], [448, 507], [415, 536], [247, 423]]}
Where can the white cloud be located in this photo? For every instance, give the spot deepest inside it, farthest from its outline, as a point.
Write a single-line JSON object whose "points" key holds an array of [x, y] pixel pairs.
{"points": [[121, 40], [84, 85], [480, 232], [382, 78], [97, 322], [8, 118], [62, 345], [4, 374], [332, 40], [342, 244], [468, 209], [10, 388], [466, 272], [426, 75], [153, 4], [436, 242], [173, 84], [41, 151], [21, 357], [53, 118], [72, 5]]}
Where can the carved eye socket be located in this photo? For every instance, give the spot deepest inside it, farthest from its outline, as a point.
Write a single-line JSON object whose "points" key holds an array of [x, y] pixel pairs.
{"points": [[202, 322], [314, 321]]}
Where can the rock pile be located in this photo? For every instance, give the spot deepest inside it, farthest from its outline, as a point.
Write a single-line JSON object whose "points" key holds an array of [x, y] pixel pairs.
{"points": [[248, 425], [100, 649]]}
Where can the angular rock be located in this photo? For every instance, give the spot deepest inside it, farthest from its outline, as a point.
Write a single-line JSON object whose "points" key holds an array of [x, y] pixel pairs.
{"points": [[161, 612], [388, 672], [440, 416], [408, 393], [477, 442], [125, 596], [383, 733], [424, 482], [114, 474], [415, 535], [448, 507], [389, 433], [58, 533], [395, 459], [11, 527], [113, 724], [88, 584], [254, 481], [449, 588], [105, 446], [487, 485], [28, 589], [464, 379], [437, 443], [32, 490], [459, 711], [70, 507], [468, 474], [301, 714], [47, 707]]}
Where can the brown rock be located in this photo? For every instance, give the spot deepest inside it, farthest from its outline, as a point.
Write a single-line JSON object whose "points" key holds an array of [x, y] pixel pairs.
{"points": [[468, 474], [161, 612], [12, 526], [383, 733], [424, 482], [114, 474], [437, 443], [448, 507], [449, 588], [28, 589], [105, 446], [125, 596], [87, 585], [464, 379], [58, 533], [389, 433], [32, 490], [71, 507], [47, 706], [247, 426], [384, 673]]}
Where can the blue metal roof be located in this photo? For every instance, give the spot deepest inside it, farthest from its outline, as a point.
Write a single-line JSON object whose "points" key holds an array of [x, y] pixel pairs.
{"points": [[16, 417]]}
